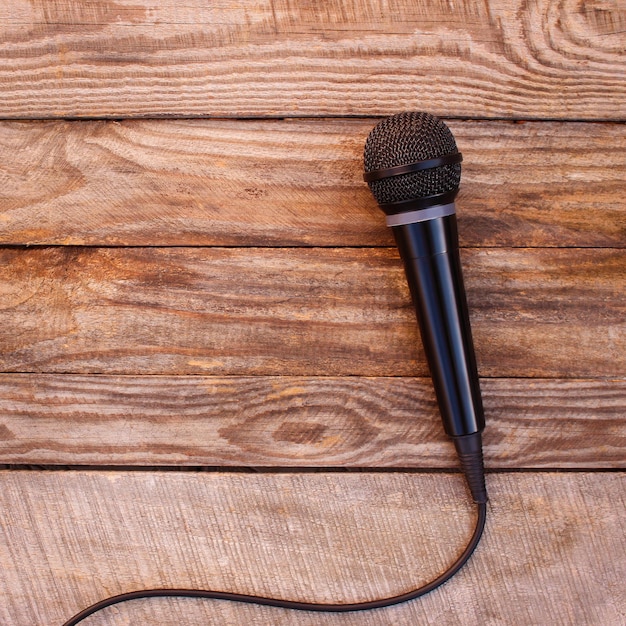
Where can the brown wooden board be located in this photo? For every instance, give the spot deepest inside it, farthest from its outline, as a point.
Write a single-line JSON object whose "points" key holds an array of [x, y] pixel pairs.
{"points": [[224, 292], [133, 58], [272, 183], [301, 311], [553, 553], [296, 421]]}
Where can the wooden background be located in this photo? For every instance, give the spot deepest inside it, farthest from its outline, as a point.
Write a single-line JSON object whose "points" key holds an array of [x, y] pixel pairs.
{"points": [[210, 369]]}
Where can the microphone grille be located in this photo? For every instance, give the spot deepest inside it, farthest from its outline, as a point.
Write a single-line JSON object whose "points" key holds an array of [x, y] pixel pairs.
{"points": [[407, 138]]}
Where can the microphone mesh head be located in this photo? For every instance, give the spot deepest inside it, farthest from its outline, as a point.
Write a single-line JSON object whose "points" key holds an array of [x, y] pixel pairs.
{"points": [[407, 138]]}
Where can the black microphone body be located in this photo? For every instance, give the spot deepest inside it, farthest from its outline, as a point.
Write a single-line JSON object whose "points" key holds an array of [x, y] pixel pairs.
{"points": [[430, 252], [412, 166]]}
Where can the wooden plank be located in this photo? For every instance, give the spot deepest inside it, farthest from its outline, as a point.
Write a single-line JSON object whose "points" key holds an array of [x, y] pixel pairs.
{"points": [[301, 311], [295, 421], [284, 58], [554, 551], [272, 183]]}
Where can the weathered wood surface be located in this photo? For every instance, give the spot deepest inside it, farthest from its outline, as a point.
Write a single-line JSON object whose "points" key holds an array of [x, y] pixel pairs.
{"points": [[295, 421], [552, 553], [302, 356], [199, 182], [281, 58], [301, 311]]}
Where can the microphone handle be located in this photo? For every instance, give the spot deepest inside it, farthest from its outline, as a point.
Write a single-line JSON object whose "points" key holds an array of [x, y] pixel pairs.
{"points": [[430, 252]]}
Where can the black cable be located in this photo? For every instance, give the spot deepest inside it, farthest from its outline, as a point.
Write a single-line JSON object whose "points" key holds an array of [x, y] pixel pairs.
{"points": [[293, 604]]}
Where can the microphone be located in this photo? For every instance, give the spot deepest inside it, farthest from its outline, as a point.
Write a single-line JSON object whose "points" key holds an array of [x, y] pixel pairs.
{"points": [[413, 169]]}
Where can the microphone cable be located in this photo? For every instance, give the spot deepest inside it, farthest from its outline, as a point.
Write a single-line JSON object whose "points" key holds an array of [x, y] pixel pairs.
{"points": [[293, 604]]}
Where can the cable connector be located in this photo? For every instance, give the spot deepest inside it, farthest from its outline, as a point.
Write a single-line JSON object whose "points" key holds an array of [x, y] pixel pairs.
{"points": [[470, 451]]}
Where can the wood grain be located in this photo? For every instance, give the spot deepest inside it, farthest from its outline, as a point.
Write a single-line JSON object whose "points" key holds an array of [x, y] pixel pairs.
{"points": [[301, 312], [286, 183], [553, 551], [240, 303], [283, 58], [295, 421]]}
